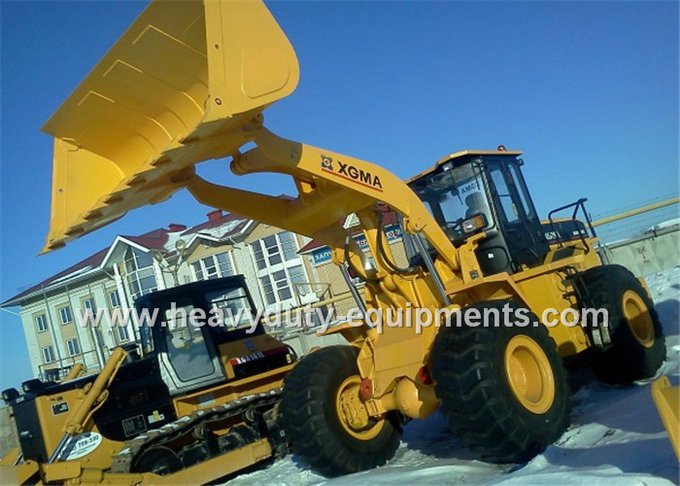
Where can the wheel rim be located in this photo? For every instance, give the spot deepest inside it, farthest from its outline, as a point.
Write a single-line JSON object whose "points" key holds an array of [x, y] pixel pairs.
{"points": [[638, 318], [529, 374], [352, 413]]}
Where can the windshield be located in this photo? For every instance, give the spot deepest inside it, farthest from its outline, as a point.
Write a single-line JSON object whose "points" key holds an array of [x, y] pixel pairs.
{"points": [[454, 195], [232, 307]]}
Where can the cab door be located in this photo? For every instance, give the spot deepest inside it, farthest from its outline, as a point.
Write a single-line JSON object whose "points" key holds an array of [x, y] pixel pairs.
{"points": [[519, 222], [188, 357]]}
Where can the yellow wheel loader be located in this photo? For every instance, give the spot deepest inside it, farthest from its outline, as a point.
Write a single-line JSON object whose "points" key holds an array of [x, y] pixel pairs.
{"points": [[190, 405], [189, 82]]}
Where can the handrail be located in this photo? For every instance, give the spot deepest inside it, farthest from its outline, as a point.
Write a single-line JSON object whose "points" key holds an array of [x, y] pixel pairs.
{"points": [[579, 204]]}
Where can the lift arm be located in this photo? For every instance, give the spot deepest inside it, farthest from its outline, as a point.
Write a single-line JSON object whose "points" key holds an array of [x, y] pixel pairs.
{"points": [[330, 187]]}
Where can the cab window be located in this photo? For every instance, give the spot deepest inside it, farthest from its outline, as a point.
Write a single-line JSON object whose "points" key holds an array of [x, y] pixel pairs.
{"points": [[504, 195]]}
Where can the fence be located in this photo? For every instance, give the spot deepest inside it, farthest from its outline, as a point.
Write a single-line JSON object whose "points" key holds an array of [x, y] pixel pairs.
{"points": [[645, 254], [645, 239], [627, 222]]}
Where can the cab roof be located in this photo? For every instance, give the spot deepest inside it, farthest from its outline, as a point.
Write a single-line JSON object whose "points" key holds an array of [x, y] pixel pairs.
{"points": [[460, 155]]}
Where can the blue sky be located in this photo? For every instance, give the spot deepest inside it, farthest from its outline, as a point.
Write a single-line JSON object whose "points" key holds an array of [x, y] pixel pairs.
{"points": [[588, 90]]}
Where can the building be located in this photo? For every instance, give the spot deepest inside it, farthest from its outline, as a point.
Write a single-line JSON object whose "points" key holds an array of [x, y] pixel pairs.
{"points": [[283, 270]]}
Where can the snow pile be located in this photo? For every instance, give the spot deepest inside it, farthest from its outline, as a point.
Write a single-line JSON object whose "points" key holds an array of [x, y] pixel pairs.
{"points": [[616, 437]]}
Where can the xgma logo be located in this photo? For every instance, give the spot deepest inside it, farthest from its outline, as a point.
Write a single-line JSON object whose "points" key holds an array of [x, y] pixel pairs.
{"points": [[351, 173], [326, 163]]}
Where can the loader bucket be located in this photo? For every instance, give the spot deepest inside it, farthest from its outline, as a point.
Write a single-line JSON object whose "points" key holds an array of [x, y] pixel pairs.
{"points": [[179, 87], [667, 400]]}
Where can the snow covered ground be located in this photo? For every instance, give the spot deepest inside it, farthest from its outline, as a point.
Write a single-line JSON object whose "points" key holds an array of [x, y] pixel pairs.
{"points": [[616, 437]]}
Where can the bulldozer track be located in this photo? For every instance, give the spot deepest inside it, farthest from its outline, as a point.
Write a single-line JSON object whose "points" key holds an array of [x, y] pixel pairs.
{"points": [[123, 461]]}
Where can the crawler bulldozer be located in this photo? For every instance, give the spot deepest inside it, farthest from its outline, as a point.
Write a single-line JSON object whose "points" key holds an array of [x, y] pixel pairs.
{"points": [[189, 81], [189, 405]]}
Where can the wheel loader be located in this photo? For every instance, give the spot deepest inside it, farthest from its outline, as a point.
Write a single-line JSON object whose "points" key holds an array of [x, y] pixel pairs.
{"points": [[188, 405], [189, 82]]}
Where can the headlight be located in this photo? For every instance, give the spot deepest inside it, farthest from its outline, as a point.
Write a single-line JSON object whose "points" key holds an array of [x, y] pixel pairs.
{"points": [[10, 394]]}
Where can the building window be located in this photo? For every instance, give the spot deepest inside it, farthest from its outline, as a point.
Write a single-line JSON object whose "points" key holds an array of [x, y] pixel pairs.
{"points": [[89, 305], [268, 290], [198, 270], [275, 249], [279, 268], [297, 277], [72, 347], [282, 285], [285, 282], [65, 315], [213, 266], [48, 354], [259, 256], [114, 299], [123, 334], [41, 323], [272, 249], [141, 278], [288, 245], [224, 264]]}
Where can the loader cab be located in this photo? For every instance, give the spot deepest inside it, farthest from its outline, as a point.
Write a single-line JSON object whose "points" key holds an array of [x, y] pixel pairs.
{"points": [[473, 192]]}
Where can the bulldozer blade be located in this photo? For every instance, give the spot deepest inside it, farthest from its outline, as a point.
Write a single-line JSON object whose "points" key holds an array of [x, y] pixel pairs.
{"points": [[20, 473], [667, 400], [182, 85]]}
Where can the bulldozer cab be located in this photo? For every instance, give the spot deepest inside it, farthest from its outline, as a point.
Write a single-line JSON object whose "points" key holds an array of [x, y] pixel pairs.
{"points": [[473, 192], [193, 322]]}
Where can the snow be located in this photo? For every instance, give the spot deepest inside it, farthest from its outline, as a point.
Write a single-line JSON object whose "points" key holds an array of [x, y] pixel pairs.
{"points": [[221, 230], [616, 436], [663, 225]]}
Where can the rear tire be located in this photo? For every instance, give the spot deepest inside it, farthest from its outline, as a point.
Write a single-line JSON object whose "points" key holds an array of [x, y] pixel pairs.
{"points": [[638, 345], [316, 427], [503, 389]]}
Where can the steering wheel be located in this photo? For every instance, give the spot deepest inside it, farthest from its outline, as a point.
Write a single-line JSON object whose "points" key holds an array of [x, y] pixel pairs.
{"points": [[453, 225], [454, 230]]}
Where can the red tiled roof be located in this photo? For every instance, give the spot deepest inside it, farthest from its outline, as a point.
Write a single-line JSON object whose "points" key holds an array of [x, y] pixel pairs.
{"points": [[91, 261], [153, 240]]}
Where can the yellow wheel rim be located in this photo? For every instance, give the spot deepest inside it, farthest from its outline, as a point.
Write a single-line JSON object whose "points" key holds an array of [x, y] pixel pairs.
{"points": [[638, 318], [529, 374], [352, 412]]}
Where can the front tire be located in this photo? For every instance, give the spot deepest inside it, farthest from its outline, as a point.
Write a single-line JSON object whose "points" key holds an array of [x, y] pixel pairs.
{"points": [[638, 346], [503, 389], [312, 411]]}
